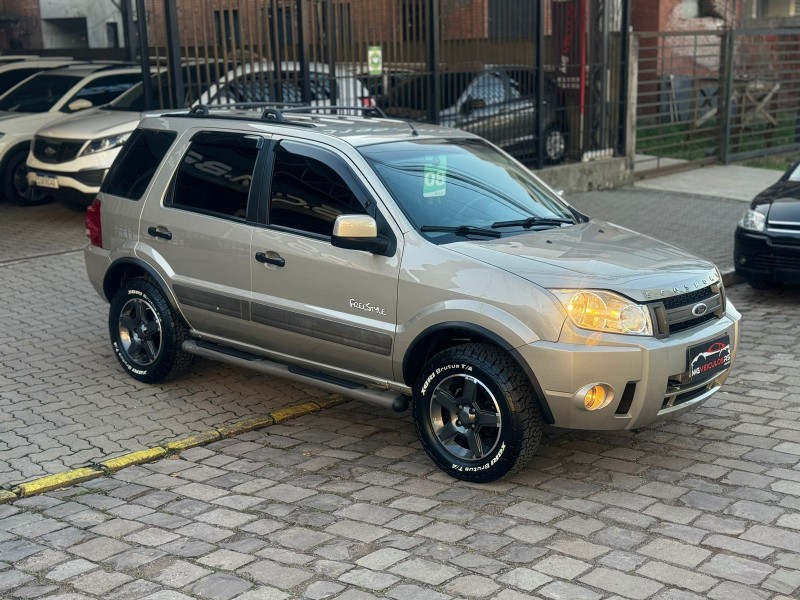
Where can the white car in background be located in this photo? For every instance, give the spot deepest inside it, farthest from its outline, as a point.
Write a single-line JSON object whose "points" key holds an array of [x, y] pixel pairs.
{"points": [[42, 99], [14, 69], [70, 157]]}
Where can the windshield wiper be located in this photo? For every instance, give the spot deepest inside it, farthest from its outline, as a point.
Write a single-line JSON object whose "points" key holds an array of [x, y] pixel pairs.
{"points": [[532, 222], [462, 230]]}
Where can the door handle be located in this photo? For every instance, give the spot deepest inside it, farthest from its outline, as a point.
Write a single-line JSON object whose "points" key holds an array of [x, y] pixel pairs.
{"points": [[160, 232], [278, 261]]}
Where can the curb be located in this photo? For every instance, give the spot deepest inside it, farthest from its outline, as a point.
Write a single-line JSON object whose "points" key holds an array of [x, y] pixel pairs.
{"points": [[48, 483]]}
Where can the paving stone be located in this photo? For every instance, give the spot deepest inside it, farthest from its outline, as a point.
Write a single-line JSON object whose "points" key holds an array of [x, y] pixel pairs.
{"points": [[773, 536], [367, 578], [533, 511], [561, 590], [675, 552], [754, 511], [676, 576], [734, 568], [70, 569], [299, 538], [738, 546], [99, 548], [362, 532], [12, 578], [617, 582], [562, 566], [275, 574], [177, 573], [227, 560], [322, 589], [415, 592], [425, 571], [220, 586], [100, 582], [382, 559], [525, 579], [472, 586], [727, 591]]}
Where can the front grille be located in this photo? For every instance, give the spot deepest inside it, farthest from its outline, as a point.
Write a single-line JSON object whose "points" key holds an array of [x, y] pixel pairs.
{"points": [[681, 389], [51, 150], [674, 314], [774, 261]]}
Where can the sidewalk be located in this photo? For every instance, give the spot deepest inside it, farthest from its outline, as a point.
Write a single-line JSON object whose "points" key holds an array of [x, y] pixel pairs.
{"points": [[695, 210]]}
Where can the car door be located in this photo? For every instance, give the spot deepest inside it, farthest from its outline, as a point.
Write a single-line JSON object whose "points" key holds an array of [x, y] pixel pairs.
{"points": [[331, 308], [199, 235]]}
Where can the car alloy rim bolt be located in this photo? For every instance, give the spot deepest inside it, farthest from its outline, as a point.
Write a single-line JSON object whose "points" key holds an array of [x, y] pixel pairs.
{"points": [[458, 423]]}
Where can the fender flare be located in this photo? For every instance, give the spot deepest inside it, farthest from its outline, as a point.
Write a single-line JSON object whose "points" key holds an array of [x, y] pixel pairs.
{"points": [[547, 414], [120, 263]]}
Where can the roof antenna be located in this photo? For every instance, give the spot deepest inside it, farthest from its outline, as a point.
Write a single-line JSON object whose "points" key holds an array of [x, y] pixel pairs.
{"points": [[413, 131]]}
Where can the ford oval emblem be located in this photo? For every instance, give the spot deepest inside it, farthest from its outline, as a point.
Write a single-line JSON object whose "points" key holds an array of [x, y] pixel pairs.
{"points": [[698, 310]]}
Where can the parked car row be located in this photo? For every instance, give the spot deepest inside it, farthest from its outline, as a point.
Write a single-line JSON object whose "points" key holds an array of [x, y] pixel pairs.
{"points": [[70, 153]]}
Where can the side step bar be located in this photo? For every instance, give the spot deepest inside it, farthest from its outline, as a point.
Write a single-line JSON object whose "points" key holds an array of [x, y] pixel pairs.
{"points": [[356, 391]]}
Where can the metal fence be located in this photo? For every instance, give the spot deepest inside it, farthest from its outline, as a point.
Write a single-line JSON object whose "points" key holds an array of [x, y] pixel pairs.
{"points": [[716, 96], [544, 80]]}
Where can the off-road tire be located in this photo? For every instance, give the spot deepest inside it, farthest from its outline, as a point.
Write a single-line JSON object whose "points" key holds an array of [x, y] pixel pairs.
{"points": [[146, 333], [490, 382]]}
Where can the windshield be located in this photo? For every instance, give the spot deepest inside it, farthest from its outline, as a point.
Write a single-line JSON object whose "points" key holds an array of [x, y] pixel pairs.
{"points": [[38, 94], [458, 183], [795, 174]]}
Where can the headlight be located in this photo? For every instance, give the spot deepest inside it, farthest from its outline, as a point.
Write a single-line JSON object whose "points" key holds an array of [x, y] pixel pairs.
{"points": [[608, 312], [755, 220], [106, 143]]}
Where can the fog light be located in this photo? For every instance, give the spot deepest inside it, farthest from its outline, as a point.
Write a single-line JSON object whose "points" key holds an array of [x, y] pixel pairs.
{"points": [[594, 396]]}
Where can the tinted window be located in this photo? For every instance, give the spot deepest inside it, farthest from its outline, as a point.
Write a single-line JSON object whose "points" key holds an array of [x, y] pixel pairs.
{"points": [[104, 89], [308, 194], [135, 166], [215, 174], [38, 94], [11, 78]]}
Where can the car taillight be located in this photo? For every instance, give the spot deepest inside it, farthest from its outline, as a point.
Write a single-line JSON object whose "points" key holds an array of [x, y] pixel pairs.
{"points": [[368, 101], [94, 229]]}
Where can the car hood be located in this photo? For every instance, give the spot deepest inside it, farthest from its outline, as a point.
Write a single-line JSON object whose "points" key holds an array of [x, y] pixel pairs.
{"points": [[23, 125], [92, 124], [595, 255], [786, 209]]}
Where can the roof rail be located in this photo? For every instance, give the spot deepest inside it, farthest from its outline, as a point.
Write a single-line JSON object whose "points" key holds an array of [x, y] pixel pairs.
{"points": [[369, 111]]}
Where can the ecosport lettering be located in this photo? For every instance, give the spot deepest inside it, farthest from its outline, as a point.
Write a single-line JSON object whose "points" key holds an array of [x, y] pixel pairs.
{"points": [[367, 307]]}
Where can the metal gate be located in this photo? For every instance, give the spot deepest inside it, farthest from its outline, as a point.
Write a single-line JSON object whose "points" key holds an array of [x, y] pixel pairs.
{"points": [[716, 96], [544, 80]]}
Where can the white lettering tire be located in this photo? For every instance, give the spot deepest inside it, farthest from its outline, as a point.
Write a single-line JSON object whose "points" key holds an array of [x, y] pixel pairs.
{"points": [[475, 413]]}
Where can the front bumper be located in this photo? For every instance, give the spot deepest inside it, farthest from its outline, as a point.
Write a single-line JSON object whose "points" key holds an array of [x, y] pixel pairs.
{"points": [[67, 185], [641, 371], [765, 256]]}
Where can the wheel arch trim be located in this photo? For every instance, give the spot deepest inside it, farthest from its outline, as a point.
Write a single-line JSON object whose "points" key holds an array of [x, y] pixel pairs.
{"points": [[547, 414], [127, 261]]}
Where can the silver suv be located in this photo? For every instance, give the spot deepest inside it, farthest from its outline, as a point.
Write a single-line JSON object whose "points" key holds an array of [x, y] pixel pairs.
{"points": [[398, 264]]}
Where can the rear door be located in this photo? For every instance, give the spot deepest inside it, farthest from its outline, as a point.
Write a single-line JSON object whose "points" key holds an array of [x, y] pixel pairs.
{"points": [[199, 234], [327, 306]]}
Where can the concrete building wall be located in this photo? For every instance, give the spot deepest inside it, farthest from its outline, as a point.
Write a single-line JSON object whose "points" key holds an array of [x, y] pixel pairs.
{"points": [[80, 23]]}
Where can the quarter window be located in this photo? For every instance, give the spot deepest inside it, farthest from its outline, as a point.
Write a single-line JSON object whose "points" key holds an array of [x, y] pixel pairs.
{"points": [[307, 192], [215, 174], [137, 162]]}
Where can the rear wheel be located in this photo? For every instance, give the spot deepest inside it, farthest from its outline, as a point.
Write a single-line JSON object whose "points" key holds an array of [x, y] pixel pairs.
{"points": [[555, 143], [475, 413], [146, 334]]}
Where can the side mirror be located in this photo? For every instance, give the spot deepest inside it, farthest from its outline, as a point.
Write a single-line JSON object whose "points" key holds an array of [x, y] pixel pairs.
{"points": [[358, 232], [80, 104]]}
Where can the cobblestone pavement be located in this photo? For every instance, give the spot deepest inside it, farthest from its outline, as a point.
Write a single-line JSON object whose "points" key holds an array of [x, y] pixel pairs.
{"points": [[64, 401], [345, 504]]}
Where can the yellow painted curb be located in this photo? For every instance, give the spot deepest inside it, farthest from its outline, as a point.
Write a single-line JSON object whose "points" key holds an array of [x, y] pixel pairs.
{"points": [[59, 480], [6, 497], [245, 426], [112, 465], [330, 401], [198, 439], [292, 412]]}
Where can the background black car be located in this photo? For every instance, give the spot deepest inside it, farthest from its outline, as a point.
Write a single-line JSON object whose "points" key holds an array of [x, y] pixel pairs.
{"points": [[767, 241]]}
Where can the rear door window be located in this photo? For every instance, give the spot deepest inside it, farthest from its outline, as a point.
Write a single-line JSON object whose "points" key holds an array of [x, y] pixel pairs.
{"points": [[215, 174], [105, 89], [136, 164]]}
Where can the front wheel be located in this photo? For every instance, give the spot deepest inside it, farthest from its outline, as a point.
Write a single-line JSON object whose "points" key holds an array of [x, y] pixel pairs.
{"points": [[475, 413], [146, 334], [15, 181]]}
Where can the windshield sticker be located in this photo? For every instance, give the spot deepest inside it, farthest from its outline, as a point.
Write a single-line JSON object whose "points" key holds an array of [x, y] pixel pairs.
{"points": [[434, 183]]}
